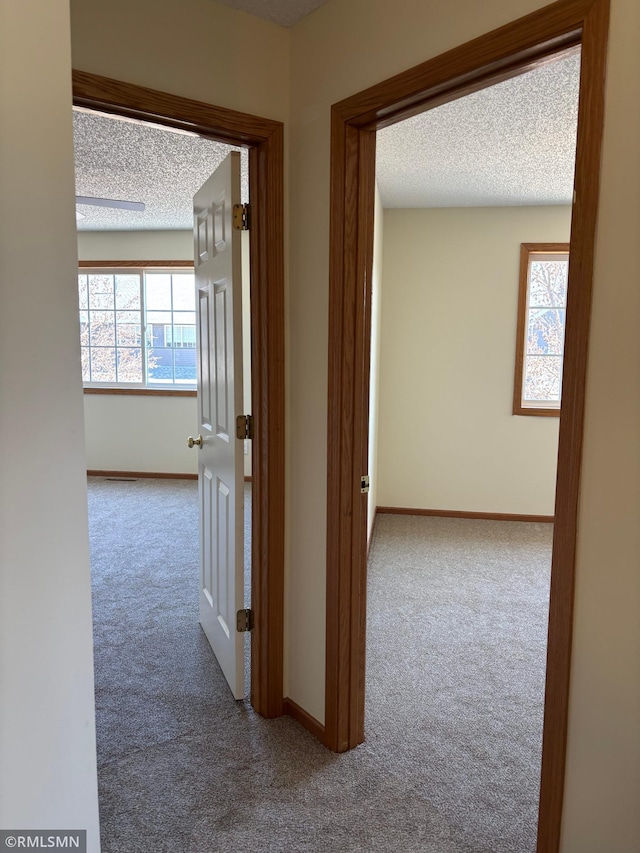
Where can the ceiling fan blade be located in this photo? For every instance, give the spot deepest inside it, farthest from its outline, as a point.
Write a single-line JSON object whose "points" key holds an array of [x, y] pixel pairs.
{"points": [[110, 202]]}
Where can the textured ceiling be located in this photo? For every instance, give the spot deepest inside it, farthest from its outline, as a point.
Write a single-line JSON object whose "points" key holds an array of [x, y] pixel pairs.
{"points": [[131, 161], [510, 144], [283, 12]]}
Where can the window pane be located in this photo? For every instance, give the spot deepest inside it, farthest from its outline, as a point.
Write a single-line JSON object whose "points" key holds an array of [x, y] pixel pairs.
{"points": [[185, 366], [129, 365], [84, 328], [128, 317], [86, 374], [545, 334], [184, 292], [83, 292], [101, 291], [188, 336], [129, 335], [158, 291], [102, 328], [115, 331], [160, 366], [127, 291], [543, 378], [158, 334], [182, 336], [548, 283], [184, 318], [103, 364], [158, 317]]}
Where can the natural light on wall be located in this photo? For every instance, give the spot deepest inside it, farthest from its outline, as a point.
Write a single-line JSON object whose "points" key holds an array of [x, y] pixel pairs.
{"points": [[542, 312], [138, 327]]}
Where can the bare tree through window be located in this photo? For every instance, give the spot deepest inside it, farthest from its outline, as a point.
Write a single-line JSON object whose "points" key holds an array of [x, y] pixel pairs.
{"points": [[128, 320], [541, 325]]}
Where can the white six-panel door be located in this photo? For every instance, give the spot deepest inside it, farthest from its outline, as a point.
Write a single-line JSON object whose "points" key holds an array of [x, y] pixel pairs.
{"points": [[220, 468]]}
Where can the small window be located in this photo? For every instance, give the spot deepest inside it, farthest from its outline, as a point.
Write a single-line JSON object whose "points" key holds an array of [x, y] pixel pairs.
{"points": [[138, 327], [180, 336], [542, 309]]}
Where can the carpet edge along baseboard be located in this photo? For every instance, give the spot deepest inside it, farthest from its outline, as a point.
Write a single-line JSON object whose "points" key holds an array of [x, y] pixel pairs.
{"points": [[129, 475], [140, 474], [455, 513]]}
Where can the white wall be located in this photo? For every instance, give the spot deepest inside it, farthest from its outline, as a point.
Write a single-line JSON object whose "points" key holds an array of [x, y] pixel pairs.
{"points": [[145, 434], [448, 348], [193, 48], [47, 730], [135, 245], [148, 433], [374, 377], [341, 49]]}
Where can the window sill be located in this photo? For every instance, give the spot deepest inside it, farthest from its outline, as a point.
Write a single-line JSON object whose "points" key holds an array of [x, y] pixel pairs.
{"points": [[537, 412], [143, 392]]}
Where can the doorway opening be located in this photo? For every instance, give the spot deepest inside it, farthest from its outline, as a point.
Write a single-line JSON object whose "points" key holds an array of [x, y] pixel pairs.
{"points": [[457, 593], [144, 344], [263, 139], [502, 54]]}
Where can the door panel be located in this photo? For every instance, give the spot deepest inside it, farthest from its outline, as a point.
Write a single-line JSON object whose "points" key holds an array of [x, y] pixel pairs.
{"points": [[220, 469]]}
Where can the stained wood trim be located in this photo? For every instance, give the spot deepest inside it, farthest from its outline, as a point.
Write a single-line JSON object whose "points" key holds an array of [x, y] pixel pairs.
{"points": [[364, 270], [134, 264], [141, 474], [337, 686], [502, 53], [349, 364], [579, 292], [292, 709], [141, 392], [526, 250], [126, 99], [455, 513], [537, 412], [264, 138], [266, 181]]}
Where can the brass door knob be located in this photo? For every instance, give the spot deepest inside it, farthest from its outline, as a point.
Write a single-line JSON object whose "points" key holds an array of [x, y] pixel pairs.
{"points": [[191, 441]]}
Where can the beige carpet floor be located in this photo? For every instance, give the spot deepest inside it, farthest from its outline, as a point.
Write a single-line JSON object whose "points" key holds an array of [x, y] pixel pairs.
{"points": [[457, 616]]}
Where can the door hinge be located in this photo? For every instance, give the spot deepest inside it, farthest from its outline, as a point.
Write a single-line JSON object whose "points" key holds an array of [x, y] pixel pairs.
{"points": [[241, 213], [244, 427], [364, 484], [244, 621]]}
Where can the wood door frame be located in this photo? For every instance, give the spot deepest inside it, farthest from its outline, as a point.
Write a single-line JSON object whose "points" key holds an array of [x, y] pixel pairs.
{"points": [[264, 139], [500, 54]]}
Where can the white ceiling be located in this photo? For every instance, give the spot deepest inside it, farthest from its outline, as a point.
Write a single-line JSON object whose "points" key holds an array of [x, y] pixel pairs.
{"points": [[283, 12], [130, 161], [510, 144]]}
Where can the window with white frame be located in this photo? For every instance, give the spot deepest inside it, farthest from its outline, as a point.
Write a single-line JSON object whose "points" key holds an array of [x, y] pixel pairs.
{"points": [[542, 309], [138, 327], [180, 336]]}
